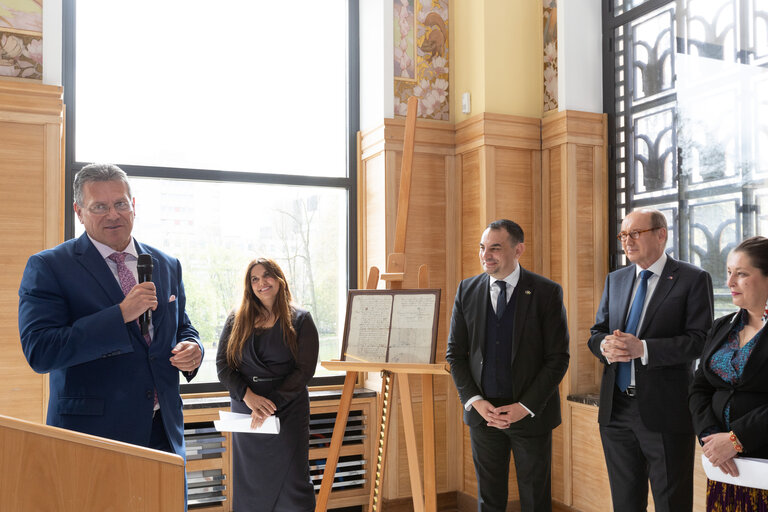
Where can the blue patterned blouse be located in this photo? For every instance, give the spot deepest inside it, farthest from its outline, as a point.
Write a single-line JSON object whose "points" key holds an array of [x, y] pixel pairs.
{"points": [[729, 360]]}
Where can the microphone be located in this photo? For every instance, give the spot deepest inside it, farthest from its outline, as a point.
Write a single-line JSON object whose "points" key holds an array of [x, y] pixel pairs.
{"points": [[144, 268]]}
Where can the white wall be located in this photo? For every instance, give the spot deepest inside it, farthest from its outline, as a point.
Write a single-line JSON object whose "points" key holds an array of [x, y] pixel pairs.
{"points": [[376, 68], [579, 55], [52, 42]]}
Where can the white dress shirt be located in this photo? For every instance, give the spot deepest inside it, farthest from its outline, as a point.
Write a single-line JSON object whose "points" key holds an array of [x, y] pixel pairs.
{"points": [[656, 269]]}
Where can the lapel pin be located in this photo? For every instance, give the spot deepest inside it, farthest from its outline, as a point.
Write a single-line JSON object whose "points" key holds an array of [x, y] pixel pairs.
{"points": [[527, 292], [670, 278]]}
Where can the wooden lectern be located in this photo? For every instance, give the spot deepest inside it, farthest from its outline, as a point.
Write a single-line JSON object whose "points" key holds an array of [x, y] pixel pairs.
{"points": [[49, 468]]}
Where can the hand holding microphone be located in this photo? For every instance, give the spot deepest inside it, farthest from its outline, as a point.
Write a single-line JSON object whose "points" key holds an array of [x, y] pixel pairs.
{"points": [[144, 267], [142, 298]]}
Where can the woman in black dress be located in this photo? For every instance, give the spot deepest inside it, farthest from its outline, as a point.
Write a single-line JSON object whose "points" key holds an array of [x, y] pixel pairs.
{"points": [[267, 354]]}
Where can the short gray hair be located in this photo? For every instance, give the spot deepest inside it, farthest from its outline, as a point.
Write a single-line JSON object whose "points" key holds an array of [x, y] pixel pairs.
{"points": [[98, 172]]}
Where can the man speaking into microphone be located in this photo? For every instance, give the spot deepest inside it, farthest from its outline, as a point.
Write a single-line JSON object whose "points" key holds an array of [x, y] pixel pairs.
{"points": [[104, 315]]}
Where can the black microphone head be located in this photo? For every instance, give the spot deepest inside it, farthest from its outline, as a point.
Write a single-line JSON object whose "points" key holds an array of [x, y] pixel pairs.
{"points": [[144, 267]]}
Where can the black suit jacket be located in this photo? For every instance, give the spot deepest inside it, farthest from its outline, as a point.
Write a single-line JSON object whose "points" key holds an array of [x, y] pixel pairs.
{"points": [[539, 347], [675, 325], [748, 397]]}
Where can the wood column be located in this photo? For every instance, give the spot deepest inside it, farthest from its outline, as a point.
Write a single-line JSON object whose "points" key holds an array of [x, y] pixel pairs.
{"points": [[31, 219]]}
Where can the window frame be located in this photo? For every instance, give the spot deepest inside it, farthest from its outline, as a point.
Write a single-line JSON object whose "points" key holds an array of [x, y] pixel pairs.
{"points": [[348, 183], [609, 24]]}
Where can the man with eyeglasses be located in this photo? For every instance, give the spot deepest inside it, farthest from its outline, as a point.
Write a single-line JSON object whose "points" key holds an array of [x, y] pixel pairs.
{"points": [[649, 329], [78, 308]]}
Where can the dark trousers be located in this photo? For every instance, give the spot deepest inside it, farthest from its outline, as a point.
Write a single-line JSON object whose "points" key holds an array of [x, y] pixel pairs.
{"points": [[634, 455], [491, 450], [158, 440]]}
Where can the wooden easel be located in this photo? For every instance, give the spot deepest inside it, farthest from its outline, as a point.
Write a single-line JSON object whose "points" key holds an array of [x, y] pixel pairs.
{"points": [[424, 497]]}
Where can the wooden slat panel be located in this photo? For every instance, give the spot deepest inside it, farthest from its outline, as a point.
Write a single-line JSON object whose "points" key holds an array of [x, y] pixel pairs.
{"points": [[592, 493]]}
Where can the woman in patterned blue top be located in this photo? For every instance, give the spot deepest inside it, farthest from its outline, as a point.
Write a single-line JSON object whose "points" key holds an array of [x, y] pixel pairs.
{"points": [[729, 395]]}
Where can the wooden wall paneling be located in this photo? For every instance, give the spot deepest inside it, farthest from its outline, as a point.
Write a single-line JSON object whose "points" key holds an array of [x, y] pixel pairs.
{"points": [[513, 191], [453, 235], [538, 213], [600, 240], [374, 199], [487, 175], [582, 360], [471, 213], [592, 492], [31, 219]]}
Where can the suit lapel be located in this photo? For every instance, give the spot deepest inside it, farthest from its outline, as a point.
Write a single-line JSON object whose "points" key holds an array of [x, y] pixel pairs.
{"points": [[667, 281], [619, 307], [523, 300], [89, 257], [481, 308], [757, 358]]}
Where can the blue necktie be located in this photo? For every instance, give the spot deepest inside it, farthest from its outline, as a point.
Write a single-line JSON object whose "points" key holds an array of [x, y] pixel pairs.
{"points": [[624, 370], [501, 300]]}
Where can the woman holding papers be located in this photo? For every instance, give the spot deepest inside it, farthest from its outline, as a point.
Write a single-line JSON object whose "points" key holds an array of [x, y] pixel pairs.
{"points": [[729, 395], [267, 354]]}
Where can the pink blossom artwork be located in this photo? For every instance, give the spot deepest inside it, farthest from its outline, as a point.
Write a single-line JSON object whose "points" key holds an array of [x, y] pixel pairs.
{"points": [[404, 52], [550, 55], [431, 74], [21, 55], [22, 15]]}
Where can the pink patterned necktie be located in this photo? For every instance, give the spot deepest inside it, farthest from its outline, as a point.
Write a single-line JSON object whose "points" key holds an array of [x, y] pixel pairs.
{"points": [[127, 281]]}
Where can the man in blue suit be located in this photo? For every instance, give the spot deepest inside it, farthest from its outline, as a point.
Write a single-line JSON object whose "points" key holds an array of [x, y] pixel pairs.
{"points": [[649, 329], [78, 310]]}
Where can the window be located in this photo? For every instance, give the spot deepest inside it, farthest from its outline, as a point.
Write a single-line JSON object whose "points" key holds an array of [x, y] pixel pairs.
{"points": [[687, 97], [235, 121]]}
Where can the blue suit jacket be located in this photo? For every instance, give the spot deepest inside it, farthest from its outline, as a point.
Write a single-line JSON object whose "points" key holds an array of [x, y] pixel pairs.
{"points": [[675, 325], [102, 373]]}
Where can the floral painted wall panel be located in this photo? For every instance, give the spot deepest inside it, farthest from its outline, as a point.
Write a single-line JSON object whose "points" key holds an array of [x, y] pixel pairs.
{"points": [[550, 55], [428, 20], [21, 39]]}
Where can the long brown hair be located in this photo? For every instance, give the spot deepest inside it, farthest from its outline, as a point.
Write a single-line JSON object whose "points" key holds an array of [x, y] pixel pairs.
{"points": [[252, 313]]}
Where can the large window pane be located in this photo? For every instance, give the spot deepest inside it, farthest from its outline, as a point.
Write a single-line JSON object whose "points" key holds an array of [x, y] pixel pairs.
{"points": [[191, 84], [690, 125], [215, 229]]}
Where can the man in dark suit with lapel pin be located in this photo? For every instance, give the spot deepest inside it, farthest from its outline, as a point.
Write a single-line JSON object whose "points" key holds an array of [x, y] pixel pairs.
{"points": [[649, 329], [508, 351], [78, 308]]}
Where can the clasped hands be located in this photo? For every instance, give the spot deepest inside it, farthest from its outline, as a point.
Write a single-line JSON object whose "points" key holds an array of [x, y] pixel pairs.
{"points": [[500, 417], [719, 449], [621, 347], [261, 407]]}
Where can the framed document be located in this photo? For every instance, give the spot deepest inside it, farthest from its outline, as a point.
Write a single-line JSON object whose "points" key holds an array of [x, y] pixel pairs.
{"points": [[391, 326]]}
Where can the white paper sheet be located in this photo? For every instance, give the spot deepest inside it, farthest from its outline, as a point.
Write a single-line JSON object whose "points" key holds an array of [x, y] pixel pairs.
{"points": [[236, 422], [752, 472]]}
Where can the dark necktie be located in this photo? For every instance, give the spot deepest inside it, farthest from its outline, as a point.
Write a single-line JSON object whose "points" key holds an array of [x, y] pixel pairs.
{"points": [[624, 369], [501, 300]]}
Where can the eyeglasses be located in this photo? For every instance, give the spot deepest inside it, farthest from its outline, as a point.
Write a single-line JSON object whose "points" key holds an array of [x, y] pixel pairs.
{"points": [[103, 209], [634, 234]]}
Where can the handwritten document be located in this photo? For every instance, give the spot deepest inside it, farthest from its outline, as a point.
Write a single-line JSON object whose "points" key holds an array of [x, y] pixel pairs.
{"points": [[369, 321], [411, 333], [394, 326]]}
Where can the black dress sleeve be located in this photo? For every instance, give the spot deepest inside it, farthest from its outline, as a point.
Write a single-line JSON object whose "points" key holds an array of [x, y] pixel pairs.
{"points": [[228, 376], [308, 345]]}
